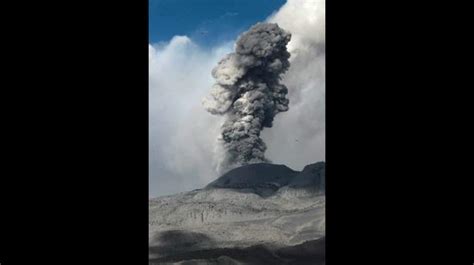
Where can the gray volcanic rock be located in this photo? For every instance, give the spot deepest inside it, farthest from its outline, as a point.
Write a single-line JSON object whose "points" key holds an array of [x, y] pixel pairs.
{"points": [[255, 214], [254, 175], [260, 178], [313, 175], [311, 253], [265, 179]]}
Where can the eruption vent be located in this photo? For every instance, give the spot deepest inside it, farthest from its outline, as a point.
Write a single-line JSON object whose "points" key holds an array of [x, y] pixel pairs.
{"points": [[249, 94]]}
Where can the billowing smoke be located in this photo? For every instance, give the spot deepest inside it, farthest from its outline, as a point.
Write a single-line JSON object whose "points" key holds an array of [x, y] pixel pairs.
{"points": [[248, 93]]}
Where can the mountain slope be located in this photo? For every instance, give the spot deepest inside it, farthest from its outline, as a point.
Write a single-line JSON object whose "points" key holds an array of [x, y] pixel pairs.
{"points": [[271, 206]]}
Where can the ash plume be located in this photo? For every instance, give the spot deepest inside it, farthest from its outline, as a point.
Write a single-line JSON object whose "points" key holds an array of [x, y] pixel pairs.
{"points": [[248, 93]]}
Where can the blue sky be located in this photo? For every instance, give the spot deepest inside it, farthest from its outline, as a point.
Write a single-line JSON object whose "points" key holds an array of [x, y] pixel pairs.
{"points": [[206, 22]]}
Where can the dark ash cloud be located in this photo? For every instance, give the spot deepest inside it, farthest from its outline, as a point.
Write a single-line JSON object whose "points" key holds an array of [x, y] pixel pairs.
{"points": [[248, 93]]}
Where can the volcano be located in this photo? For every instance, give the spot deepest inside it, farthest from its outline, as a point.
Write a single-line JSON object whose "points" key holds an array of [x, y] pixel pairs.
{"points": [[254, 214]]}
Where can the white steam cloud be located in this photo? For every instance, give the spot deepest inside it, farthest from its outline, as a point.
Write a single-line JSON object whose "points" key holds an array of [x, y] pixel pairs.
{"points": [[181, 132], [297, 137]]}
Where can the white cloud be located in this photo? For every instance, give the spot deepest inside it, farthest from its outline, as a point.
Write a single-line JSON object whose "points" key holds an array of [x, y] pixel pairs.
{"points": [[182, 134], [298, 135]]}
